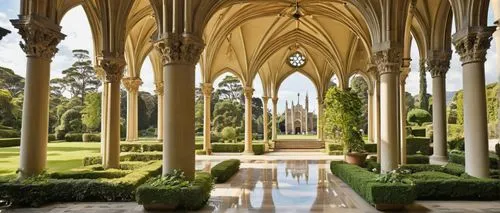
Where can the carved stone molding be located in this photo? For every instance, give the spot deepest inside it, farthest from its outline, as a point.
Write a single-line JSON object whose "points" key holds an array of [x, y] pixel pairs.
{"points": [[101, 74], [159, 88], [438, 63], [40, 36], [113, 65], [179, 49], [388, 61], [275, 100], [472, 44], [265, 99], [207, 89], [132, 84], [248, 92]]}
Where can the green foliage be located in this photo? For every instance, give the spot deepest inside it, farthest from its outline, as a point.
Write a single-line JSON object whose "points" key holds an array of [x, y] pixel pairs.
{"points": [[10, 142], [394, 176], [364, 183], [230, 88], [130, 156], [417, 159], [450, 168], [10, 109], [71, 121], [416, 145], [258, 148], [9, 133], [419, 116], [173, 190], [225, 170], [141, 147], [459, 158], [492, 91], [42, 190], [342, 117], [455, 131], [227, 113], [418, 132], [86, 137], [228, 134], [91, 113], [371, 147], [422, 95], [457, 144], [74, 137], [360, 87]]}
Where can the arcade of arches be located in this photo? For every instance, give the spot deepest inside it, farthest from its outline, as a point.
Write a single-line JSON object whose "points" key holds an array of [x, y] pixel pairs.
{"points": [[336, 37]]}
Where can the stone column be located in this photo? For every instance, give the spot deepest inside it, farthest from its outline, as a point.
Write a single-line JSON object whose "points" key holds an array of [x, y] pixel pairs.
{"points": [[248, 92], [370, 117], [438, 64], [471, 44], [159, 126], [40, 40], [114, 67], [132, 85], [319, 121], [292, 112], [388, 63], [402, 112], [275, 119], [265, 120], [180, 53], [286, 117], [207, 97]]}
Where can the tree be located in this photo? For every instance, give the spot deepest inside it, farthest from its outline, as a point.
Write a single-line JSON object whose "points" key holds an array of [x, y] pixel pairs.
{"points": [[10, 112], [360, 87], [410, 101], [230, 88], [227, 113], [143, 114], [11, 81], [80, 78], [91, 114]]}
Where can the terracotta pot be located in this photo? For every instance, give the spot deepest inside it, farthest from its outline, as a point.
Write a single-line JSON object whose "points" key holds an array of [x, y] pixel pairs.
{"points": [[356, 158]]}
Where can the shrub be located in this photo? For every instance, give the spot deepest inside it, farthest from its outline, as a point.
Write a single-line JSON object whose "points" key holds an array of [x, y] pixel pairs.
{"points": [[363, 182], [10, 142], [89, 174], [73, 137], [457, 144], [459, 158], [420, 145], [371, 147], [418, 132], [214, 137], [197, 146], [141, 147], [37, 191], [130, 147], [258, 148], [450, 168], [417, 159], [133, 156], [225, 170], [200, 152], [60, 134], [419, 116], [152, 147], [228, 134], [9, 133], [52, 137], [175, 191], [87, 137], [455, 131]]}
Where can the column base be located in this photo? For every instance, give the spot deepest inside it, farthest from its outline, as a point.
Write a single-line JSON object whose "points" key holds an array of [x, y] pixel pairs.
{"points": [[266, 146], [438, 160], [247, 153]]}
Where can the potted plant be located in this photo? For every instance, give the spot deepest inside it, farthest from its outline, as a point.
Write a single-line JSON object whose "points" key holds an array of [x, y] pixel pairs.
{"points": [[355, 147]]}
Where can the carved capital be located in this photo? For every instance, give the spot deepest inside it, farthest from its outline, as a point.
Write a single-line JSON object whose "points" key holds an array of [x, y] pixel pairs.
{"points": [[265, 99], [113, 65], [438, 63], [132, 84], [101, 74], [40, 36], [159, 88], [471, 44], [179, 48], [248, 92], [388, 61], [207, 89], [275, 100]]}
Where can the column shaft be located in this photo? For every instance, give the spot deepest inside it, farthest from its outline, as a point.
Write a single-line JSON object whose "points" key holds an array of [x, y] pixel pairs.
{"points": [[178, 145], [320, 120], [402, 120], [112, 159], [248, 120], [104, 117], [370, 117], [440, 155], [275, 119], [159, 126], [376, 118], [265, 121], [132, 125], [207, 97], [389, 122]]}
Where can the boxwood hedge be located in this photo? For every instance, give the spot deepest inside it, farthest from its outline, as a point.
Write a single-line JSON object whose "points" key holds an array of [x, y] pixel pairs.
{"points": [[225, 170]]}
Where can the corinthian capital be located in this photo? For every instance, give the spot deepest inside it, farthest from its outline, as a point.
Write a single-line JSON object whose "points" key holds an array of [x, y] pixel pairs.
{"points": [[207, 89], [438, 63], [132, 84], [248, 92], [113, 65], [179, 48], [388, 61], [40, 36], [472, 43]]}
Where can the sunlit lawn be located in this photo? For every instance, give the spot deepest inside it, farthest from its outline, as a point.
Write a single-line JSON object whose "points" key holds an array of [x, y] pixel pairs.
{"points": [[288, 137], [60, 157]]}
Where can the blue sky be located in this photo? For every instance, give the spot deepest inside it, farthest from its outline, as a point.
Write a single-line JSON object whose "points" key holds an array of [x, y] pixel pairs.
{"points": [[76, 27]]}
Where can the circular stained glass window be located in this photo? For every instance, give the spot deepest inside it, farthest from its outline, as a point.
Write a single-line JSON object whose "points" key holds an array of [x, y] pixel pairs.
{"points": [[297, 60]]}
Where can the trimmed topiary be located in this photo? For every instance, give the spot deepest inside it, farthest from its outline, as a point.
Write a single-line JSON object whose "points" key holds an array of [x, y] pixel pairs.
{"points": [[228, 134], [224, 170], [419, 116], [74, 137]]}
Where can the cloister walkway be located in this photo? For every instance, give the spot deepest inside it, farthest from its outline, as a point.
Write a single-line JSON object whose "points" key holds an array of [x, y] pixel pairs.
{"points": [[271, 183]]}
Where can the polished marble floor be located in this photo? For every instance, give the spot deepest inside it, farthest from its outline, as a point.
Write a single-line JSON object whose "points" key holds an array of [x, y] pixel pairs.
{"points": [[271, 184]]}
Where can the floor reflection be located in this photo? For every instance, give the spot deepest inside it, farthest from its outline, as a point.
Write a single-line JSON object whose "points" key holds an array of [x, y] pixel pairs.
{"points": [[280, 186]]}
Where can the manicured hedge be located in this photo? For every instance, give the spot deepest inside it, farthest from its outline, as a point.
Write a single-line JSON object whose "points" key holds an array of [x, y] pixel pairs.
{"points": [[191, 197], [73, 137], [87, 137], [450, 168], [198, 146], [225, 170], [10, 142], [459, 158], [416, 145], [334, 148], [9, 133], [417, 159], [200, 152], [38, 191], [52, 137], [457, 144], [133, 156], [258, 148], [371, 147], [418, 131], [375, 193]]}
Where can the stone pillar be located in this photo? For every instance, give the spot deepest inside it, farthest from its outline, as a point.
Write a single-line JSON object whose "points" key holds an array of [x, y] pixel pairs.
{"points": [[132, 85], [265, 120], [286, 118], [292, 112], [471, 44], [438, 64], [248, 92], [114, 67], [40, 40], [370, 117], [402, 111], [207, 97], [159, 126], [388, 63], [376, 112], [319, 126], [275, 119], [180, 53]]}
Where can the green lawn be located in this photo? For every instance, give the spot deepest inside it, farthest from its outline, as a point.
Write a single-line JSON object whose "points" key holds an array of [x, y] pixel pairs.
{"points": [[61, 156], [287, 137]]}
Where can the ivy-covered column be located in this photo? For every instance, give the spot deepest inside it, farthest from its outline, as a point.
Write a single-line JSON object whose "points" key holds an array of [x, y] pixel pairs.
{"points": [[40, 40], [180, 53], [207, 90], [388, 63], [471, 44], [248, 92], [438, 64]]}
